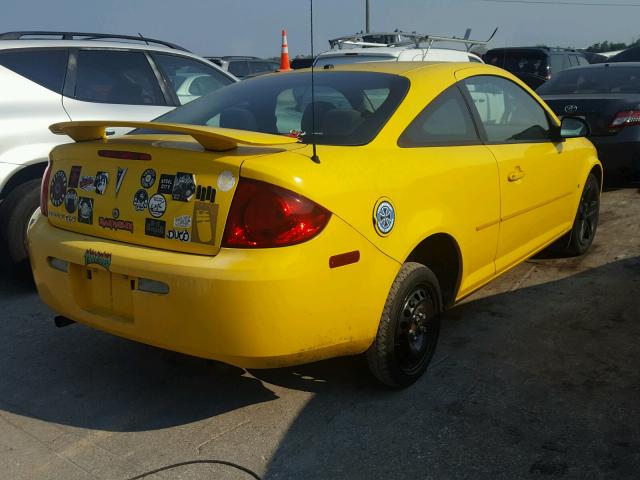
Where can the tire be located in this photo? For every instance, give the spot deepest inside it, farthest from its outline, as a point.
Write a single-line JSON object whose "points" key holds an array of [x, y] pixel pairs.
{"points": [[18, 208], [409, 328], [585, 224]]}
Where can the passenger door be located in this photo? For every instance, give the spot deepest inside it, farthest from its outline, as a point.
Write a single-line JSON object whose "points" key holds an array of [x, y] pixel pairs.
{"points": [[454, 183], [537, 182], [116, 84]]}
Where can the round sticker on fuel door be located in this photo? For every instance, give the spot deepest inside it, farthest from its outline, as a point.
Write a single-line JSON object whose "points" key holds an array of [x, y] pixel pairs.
{"points": [[384, 217]]}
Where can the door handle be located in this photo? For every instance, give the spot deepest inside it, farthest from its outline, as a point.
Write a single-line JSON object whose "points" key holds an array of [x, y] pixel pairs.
{"points": [[516, 174]]}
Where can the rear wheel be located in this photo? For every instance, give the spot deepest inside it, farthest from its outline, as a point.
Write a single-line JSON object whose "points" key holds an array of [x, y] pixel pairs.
{"points": [[409, 327], [586, 222], [18, 208]]}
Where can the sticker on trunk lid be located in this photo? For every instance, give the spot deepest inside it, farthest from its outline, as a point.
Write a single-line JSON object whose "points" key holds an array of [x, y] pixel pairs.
{"points": [[154, 228], [71, 201], [119, 178], [115, 224], [85, 210], [148, 178], [87, 183], [141, 200], [58, 188], [101, 182], [184, 186], [165, 185], [205, 216], [74, 176], [157, 205]]}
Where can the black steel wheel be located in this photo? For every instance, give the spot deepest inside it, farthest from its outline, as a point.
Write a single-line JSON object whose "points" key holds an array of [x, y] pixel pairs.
{"points": [[586, 222], [409, 328]]}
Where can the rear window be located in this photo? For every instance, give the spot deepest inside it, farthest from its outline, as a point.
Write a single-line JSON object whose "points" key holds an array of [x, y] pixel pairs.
{"points": [[593, 80], [350, 107], [519, 61], [44, 67]]}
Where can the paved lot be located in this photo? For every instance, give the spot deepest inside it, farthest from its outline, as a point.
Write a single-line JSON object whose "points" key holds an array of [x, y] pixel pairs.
{"points": [[536, 376]]}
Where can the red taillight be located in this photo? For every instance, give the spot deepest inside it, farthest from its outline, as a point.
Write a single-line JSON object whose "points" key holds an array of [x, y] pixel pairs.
{"points": [[264, 215], [44, 191], [624, 119]]}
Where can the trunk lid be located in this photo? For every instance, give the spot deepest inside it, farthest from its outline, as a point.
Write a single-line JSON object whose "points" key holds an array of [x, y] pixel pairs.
{"points": [[162, 191], [598, 110]]}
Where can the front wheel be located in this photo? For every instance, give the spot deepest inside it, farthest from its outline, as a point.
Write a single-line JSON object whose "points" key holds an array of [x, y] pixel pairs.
{"points": [[409, 327], [586, 222]]}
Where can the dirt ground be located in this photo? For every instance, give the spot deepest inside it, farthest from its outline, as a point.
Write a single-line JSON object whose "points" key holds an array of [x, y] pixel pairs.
{"points": [[536, 376]]}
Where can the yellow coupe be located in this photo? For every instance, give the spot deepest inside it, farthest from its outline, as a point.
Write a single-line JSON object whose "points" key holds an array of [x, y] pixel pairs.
{"points": [[215, 230]]}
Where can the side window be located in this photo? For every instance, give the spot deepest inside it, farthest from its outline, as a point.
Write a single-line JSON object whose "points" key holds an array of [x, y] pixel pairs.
{"points": [[120, 77], [582, 60], [556, 62], [44, 67], [240, 68], [507, 112], [445, 121], [189, 78], [573, 60], [259, 67]]}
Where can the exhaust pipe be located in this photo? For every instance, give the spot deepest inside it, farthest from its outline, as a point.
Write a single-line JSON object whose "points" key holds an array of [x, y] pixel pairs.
{"points": [[61, 321]]}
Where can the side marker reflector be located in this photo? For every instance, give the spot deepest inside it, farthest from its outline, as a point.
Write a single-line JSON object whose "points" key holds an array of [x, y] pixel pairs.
{"points": [[344, 259], [58, 264], [152, 286]]}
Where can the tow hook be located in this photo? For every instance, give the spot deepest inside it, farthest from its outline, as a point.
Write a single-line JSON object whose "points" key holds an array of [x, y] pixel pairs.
{"points": [[61, 321]]}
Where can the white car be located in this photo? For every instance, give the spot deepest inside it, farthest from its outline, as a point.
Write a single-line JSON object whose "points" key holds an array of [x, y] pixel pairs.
{"points": [[49, 77], [397, 47]]}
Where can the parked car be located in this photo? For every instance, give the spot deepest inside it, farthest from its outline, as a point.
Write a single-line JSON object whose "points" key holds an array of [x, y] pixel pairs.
{"points": [[395, 47], [628, 55], [79, 76], [607, 96], [301, 62], [535, 65], [243, 67], [262, 248]]}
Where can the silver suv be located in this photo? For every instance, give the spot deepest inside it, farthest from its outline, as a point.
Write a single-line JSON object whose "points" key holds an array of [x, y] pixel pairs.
{"points": [[49, 77]]}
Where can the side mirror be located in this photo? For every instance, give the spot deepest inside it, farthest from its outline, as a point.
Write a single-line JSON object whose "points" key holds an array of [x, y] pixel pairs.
{"points": [[574, 127]]}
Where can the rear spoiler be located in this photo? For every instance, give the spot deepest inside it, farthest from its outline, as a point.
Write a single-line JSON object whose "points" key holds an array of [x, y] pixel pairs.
{"points": [[211, 138]]}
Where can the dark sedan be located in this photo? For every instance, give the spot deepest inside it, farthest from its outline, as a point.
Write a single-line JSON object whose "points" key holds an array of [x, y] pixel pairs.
{"points": [[607, 96]]}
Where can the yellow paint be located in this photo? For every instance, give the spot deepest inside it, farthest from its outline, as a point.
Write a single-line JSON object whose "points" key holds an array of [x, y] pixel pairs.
{"points": [[282, 306]]}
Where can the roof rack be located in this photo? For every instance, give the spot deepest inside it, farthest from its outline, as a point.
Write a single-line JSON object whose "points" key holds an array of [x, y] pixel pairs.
{"points": [[84, 36], [399, 38]]}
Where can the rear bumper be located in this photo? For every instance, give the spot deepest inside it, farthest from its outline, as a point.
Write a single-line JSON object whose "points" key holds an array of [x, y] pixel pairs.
{"points": [[620, 155], [251, 308]]}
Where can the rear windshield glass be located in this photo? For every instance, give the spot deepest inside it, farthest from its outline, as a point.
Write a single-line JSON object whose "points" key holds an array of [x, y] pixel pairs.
{"points": [[593, 80], [350, 107], [519, 61]]}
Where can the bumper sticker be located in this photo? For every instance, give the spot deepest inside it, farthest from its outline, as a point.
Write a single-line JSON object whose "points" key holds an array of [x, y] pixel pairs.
{"points": [[157, 205], [87, 183], [226, 181], [154, 228], [140, 200], [148, 178], [119, 178], [165, 185], [184, 186], [102, 180], [206, 194], [58, 188], [71, 201], [93, 257], [205, 216], [85, 210], [74, 176], [183, 221], [115, 224], [182, 235]]}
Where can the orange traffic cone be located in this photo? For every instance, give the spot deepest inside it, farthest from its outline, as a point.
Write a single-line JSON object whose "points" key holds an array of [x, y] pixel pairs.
{"points": [[284, 54]]}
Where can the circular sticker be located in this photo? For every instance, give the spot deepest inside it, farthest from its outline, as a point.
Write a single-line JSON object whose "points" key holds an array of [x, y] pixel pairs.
{"points": [[140, 200], [226, 181], [148, 178], [58, 188], [71, 200], [115, 213], [384, 217], [157, 205]]}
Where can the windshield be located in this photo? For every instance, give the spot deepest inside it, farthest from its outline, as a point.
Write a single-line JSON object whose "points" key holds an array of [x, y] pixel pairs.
{"points": [[519, 61], [350, 107], [593, 80]]}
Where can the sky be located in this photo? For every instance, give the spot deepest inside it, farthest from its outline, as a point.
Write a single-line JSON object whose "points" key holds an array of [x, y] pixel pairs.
{"points": [[252, 27]]}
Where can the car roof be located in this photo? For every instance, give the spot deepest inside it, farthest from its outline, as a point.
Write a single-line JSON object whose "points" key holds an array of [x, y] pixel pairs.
{"points": [[538, 49], [408, 68], [29, 43], [387, 50], [608, 65]]}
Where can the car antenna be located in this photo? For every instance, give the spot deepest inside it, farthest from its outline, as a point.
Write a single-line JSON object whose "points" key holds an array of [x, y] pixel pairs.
{"points": [[314, 157]]}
